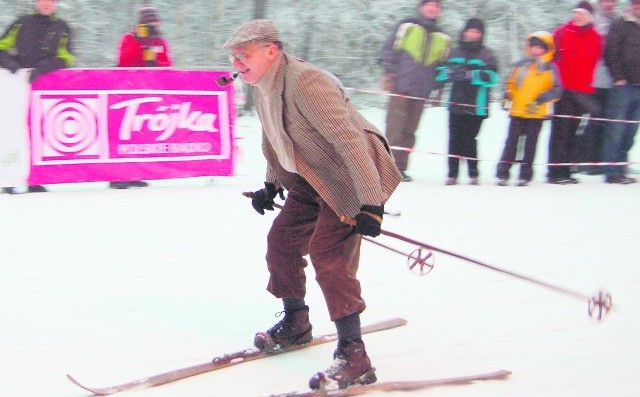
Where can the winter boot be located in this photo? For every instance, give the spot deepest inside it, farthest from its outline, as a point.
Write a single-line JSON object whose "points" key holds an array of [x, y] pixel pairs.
{"points": [[293, 329], [351, 366]]}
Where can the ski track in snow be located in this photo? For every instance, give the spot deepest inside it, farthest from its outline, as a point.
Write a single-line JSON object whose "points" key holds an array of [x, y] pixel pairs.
{"points": [[114, 285]]}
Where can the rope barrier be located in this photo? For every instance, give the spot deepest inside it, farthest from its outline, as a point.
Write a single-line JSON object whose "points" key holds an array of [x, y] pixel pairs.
{"points": [[441, 102], [404, 149], [444, 103]]}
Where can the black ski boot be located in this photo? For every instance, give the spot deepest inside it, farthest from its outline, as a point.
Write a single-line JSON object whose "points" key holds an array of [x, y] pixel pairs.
{"points": [[351, 366], [293, 329]]}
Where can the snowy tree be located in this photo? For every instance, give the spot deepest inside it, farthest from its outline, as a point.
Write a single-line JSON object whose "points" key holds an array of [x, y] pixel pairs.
{"points": [[343, 36]]}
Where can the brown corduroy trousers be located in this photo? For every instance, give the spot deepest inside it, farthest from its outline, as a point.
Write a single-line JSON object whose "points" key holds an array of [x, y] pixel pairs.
{"points": [[306, 225]]}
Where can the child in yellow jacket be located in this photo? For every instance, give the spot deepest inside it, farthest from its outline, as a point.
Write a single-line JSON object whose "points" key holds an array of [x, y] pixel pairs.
{"points": [[532, 87]]}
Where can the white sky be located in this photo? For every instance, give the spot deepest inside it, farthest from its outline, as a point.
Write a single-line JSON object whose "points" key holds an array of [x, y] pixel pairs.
{"points": [[113, 285]]}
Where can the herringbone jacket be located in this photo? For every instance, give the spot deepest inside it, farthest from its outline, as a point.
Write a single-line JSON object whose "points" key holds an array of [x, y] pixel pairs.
{"points": [[345, 158]]}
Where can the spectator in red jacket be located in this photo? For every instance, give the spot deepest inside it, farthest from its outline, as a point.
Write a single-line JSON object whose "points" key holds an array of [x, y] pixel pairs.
{"points": [[578, 48], [144, 47]]}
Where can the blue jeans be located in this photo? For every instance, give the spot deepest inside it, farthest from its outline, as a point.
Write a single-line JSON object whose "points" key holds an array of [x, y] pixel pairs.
{"points": [[624, 104]]}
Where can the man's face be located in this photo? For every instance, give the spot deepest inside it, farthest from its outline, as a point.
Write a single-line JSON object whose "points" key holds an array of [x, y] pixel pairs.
{"points": [[46, 7], [607, 6], [580, 18], [253, 60], [536, 50], [431, 10], [472, 34]]}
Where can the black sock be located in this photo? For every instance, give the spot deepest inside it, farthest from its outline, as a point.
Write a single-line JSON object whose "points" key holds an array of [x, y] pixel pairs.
{"points": [[293, 304], [348, 327]]}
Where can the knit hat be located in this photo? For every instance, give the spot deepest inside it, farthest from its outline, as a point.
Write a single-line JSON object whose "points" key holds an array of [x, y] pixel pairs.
{"points": [[474, 23], [423, 2], [149, 14], [534, 41], [256, 30], [584, 7]]}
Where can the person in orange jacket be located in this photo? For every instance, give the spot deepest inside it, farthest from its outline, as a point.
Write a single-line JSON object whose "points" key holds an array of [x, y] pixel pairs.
{"points": [[532, 87]]}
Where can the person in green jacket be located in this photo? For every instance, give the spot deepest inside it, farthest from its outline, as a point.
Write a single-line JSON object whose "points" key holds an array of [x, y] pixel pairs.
{"points": [[41, 42]]}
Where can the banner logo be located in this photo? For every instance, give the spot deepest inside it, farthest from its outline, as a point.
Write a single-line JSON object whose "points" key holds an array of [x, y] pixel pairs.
{"points": [[71, 128], [112, 126]]}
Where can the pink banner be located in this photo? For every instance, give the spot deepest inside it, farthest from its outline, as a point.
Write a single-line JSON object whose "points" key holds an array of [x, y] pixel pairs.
{"points": [[90, 125]]}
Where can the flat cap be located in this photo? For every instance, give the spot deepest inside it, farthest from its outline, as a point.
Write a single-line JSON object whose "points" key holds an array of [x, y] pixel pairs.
{"points": [[256, 30]]}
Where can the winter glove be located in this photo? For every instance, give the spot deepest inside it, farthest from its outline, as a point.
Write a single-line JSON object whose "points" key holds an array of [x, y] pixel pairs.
{"points": [[506, 103], [263, 199], [12, 65], [369, 220], [35, 73], [149, 55], [457, 74], [532, 107], [388, 82]]}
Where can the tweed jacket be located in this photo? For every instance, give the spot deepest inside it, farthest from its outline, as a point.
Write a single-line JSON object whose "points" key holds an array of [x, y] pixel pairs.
{"points": [[336, 150]]}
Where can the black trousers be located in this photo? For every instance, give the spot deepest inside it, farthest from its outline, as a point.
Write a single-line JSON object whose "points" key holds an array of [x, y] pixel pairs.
{"points": [[530, 130], [590, 143], [562, 143], [463, 131]]}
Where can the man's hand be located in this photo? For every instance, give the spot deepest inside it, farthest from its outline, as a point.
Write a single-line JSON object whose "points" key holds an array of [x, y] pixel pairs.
{"points": [[12, 65], [458, 74], [506, 103], [35, 73], [388, 82], [263, 199], [369, 220], [533, 107]]}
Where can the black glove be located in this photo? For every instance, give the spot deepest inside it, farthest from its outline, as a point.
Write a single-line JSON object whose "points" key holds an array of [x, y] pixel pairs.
{"points": [[457, 74], [263, 199], [35, 73], [369, 220], [12, 65]]}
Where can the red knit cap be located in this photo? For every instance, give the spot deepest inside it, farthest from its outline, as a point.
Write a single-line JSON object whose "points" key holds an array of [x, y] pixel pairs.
{"points": [[149, 14]]}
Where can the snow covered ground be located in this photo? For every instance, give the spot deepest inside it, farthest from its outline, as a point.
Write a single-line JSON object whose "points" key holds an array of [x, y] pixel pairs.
{"points": [[113, 285]]}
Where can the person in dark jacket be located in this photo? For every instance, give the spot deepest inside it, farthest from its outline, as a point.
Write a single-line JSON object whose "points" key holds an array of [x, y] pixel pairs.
{"points": [[409, 58], [41, 42], [623, 60], [472, 68]]}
